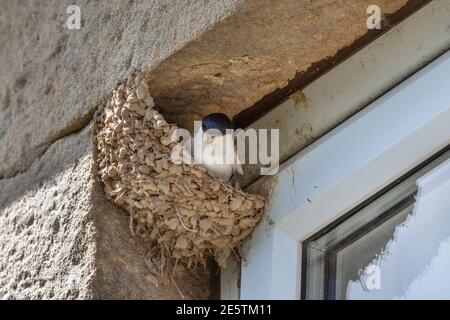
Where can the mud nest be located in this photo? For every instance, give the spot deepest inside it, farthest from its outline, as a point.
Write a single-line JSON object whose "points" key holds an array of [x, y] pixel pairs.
{"points": [[184, 214]]}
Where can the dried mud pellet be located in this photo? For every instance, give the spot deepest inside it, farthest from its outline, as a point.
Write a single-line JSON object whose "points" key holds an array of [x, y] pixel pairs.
{"points": [[236, 204], [141, 92]]}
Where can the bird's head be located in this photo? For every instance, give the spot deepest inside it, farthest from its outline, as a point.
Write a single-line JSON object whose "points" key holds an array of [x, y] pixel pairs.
{"points": [[217, 121]]}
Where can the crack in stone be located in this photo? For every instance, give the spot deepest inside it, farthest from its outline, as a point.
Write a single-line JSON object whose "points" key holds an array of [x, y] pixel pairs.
{"points": [[75, 126]]}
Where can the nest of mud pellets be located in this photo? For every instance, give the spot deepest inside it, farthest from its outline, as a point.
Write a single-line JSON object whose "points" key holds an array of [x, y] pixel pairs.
{"points": [[182, 213]]}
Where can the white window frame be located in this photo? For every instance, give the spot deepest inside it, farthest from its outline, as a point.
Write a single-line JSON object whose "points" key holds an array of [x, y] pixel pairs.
{"points": [[390, 137]]}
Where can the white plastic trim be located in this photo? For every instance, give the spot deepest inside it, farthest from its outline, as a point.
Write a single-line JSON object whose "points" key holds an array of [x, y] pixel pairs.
{"points": [[370, 150]]}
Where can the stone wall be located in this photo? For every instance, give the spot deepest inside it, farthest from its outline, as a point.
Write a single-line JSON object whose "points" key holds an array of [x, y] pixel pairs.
{"points": [[59, 236]]}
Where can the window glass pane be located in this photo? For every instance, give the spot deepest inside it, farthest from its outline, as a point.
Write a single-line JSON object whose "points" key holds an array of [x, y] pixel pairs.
{"points": [[410, 254], [358, 272], [397, 247]]}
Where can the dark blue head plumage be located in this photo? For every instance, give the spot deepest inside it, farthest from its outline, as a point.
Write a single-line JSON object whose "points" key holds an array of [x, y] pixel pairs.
{"points": [[218, 121]]}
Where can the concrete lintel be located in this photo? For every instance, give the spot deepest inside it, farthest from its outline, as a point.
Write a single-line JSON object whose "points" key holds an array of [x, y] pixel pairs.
{"points": [[262, 53]]}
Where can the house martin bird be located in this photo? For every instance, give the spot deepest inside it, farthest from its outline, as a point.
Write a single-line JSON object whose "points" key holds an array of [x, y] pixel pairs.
{"points": [[216, 147]]}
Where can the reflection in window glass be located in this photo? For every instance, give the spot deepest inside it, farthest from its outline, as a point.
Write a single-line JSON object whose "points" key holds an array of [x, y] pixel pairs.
{"points": [[398, 247]]}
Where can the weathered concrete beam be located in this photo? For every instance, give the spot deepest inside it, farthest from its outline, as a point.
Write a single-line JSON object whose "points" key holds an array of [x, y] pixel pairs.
{"points": [[262, 53]]}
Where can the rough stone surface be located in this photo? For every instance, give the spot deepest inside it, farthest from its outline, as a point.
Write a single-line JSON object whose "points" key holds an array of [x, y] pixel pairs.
{"points": [[47, 235], [59, 236], [60, 239], [52, 78]]}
